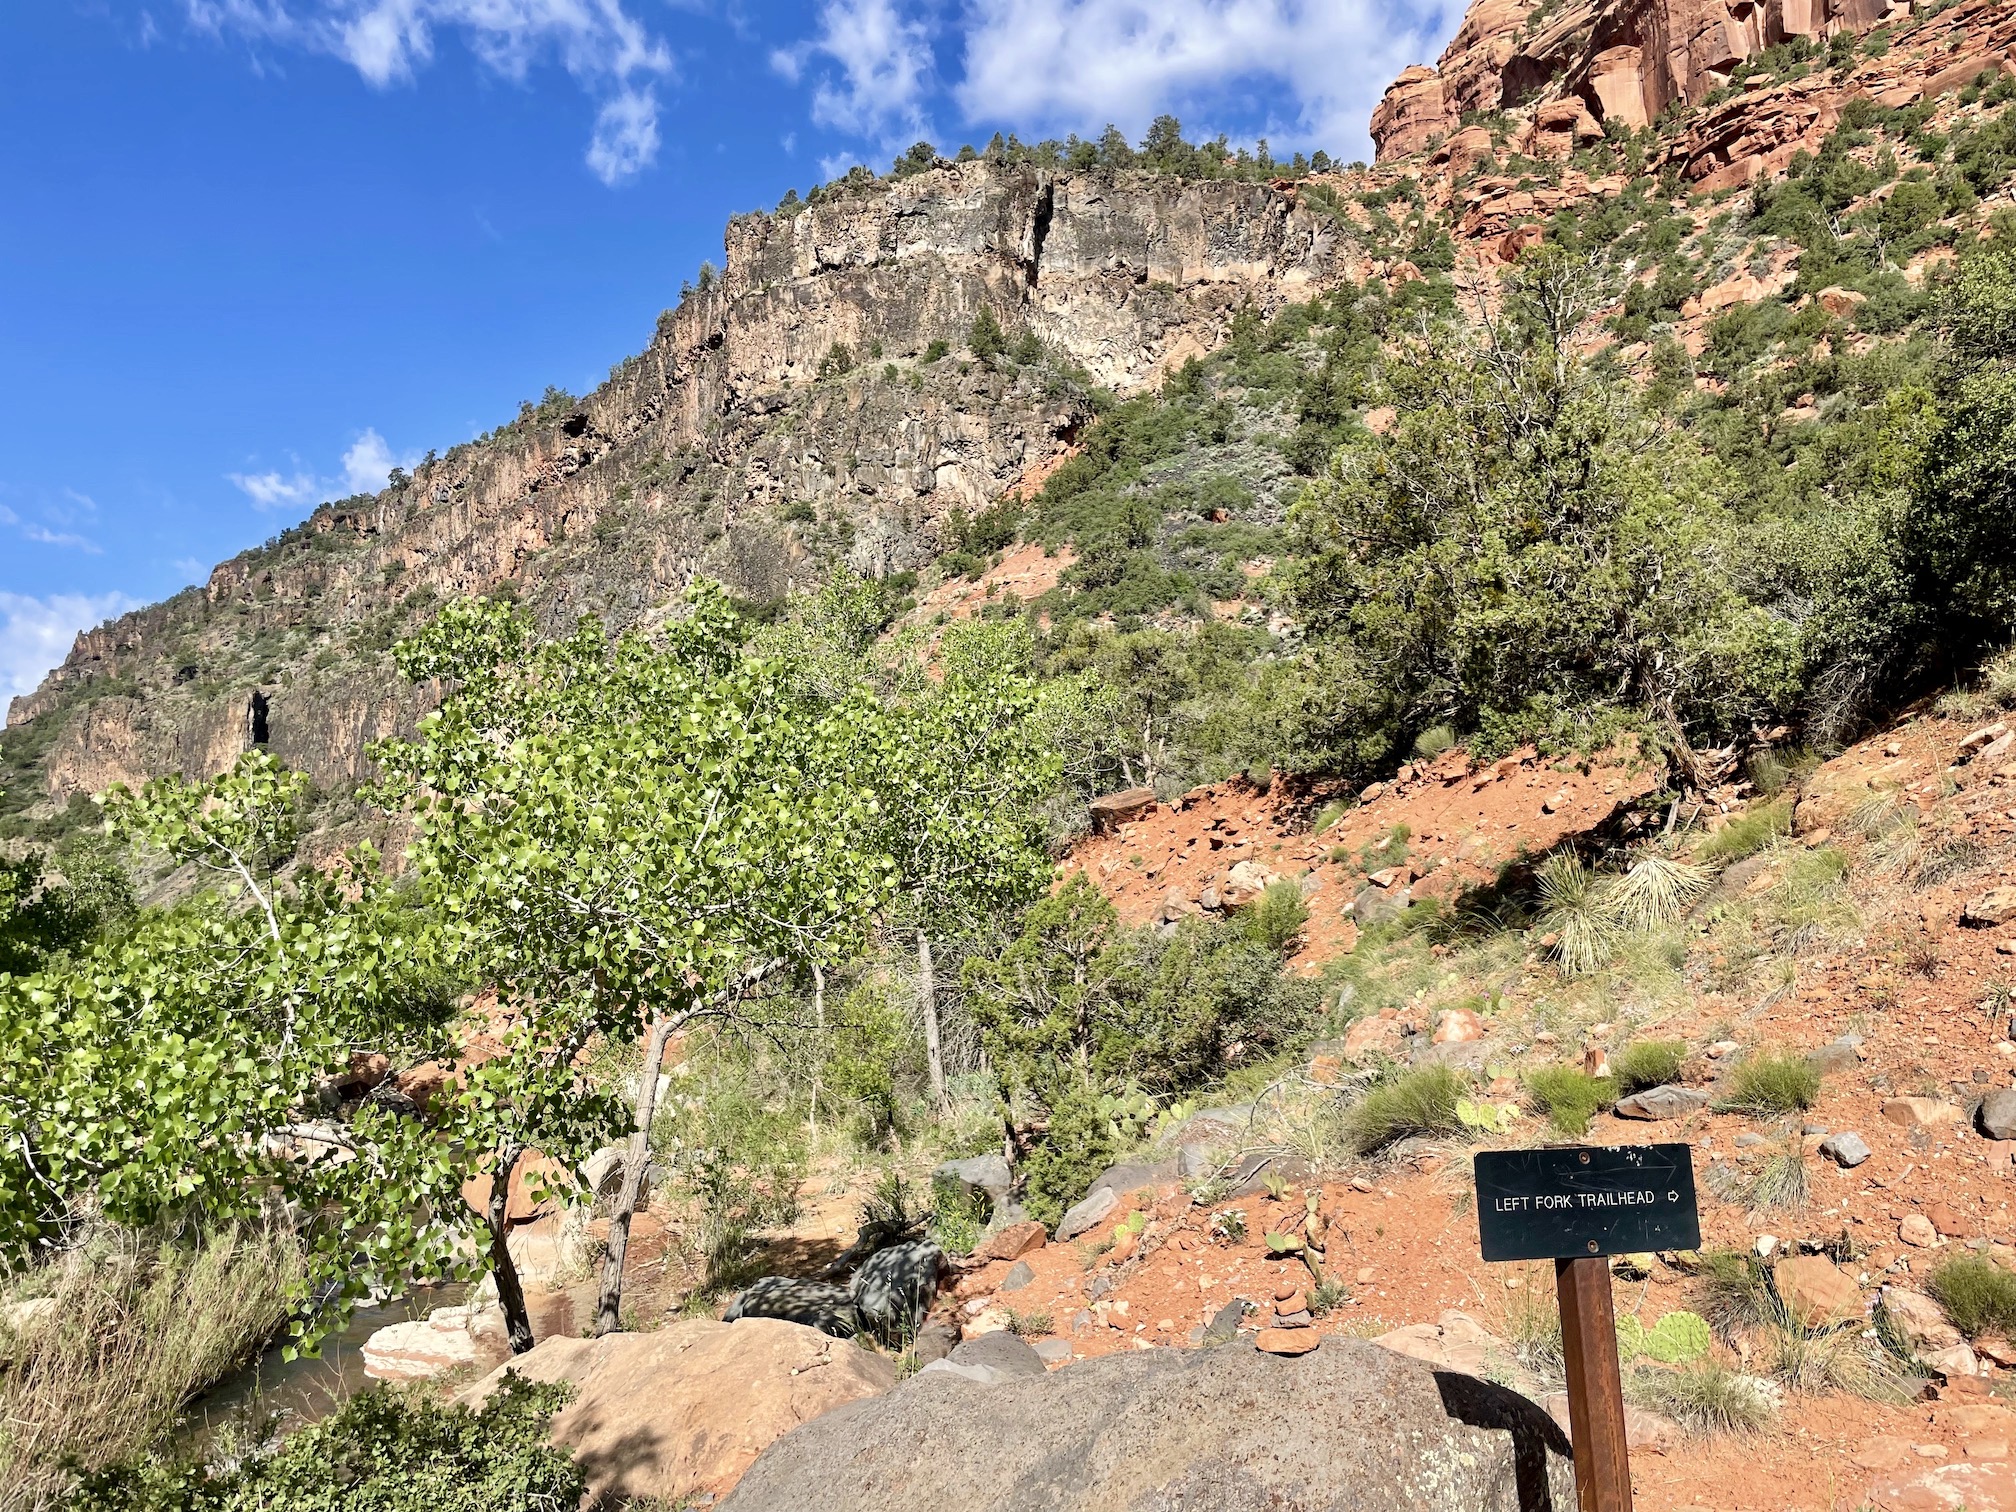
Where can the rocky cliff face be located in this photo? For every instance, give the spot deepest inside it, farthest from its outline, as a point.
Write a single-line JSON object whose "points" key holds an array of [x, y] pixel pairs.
{"points": [[732, 446], [1566, 72]]}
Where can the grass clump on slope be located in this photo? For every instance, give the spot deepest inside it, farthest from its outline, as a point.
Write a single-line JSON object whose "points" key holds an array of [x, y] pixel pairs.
{"points": [[1419, 1102]]}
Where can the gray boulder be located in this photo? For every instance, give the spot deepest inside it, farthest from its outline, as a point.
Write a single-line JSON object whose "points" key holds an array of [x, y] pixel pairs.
{"points": [[816, 1304], [1845, 1150], [893, 1292], [1458, 1055], [1349, 1428], [1375, 905], [1224, 1325], [1078, 1219], [1132, 1175], [986, 1175], [1001, 1351], [1843, 1054], [1254, 1173], [1659, 1103], [1998, 1114], [1020, 1274], [935, 1340]]}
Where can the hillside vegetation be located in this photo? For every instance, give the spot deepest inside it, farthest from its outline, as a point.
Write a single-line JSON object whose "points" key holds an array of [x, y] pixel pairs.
{"points": [[648, 933]]}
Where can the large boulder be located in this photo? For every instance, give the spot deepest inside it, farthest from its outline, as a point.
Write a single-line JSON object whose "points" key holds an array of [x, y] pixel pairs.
{"points": [[678, 1415], [893, 1292], [979, 1176], [1661, 1103], [448, 1338], [1348, 1428], [810, 1304]]}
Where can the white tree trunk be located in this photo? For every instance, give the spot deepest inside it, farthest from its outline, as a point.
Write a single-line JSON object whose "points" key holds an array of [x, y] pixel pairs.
{"points": [[608, 1316], [927, 1001]]}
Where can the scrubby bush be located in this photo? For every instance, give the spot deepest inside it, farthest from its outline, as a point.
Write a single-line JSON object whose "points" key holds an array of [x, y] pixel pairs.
{"points": [[1276, 918], [1079, 1009], [1772, 1083], [385, 1451], [986, 339], [1978, 1295], [1570, 1096], [1409, 1103], [1647, 1063]]}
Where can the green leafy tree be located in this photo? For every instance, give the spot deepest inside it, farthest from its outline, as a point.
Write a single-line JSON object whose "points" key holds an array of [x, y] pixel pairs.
{"points": [[178, 1066], [1524, 539], [1959, 538], [626, 837], [50, 905], [958, 768]]}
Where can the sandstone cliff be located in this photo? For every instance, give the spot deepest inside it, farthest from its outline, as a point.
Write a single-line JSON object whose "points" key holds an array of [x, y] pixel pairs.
{"points": [[730, 446], [1566, 73]]}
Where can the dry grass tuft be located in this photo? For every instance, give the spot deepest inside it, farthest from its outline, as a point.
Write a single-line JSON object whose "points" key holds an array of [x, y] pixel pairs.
{"points": [[1705, 1397], [1817, 1362], [136, 1328]]}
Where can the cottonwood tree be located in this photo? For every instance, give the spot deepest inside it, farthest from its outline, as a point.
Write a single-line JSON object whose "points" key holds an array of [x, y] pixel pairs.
{"points": [[958, 767], [958, 747], [181, 1066], [627, 837]]}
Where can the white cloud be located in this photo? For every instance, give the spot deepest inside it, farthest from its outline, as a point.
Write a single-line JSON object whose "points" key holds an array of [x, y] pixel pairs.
{"points": [[1073, 65], [33, 531], [269, 490], [626, 136], [884, 69], [369, 461], [608, 51], [35, 633]]}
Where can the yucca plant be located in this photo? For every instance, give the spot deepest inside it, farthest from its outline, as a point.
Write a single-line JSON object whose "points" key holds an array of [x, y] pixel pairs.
{"points": [[1655, 891], [1573, 910]]}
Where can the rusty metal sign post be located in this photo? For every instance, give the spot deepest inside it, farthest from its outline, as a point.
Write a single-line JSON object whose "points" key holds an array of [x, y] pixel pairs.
{"points": [[1578, 1205]]}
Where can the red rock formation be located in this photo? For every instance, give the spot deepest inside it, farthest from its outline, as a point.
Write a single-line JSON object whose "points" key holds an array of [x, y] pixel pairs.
{"points": [[1565, 73], [1626, 60]]}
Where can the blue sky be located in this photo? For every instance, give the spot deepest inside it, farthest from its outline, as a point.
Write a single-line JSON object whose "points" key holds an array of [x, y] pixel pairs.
{"points": [[254, 253]]}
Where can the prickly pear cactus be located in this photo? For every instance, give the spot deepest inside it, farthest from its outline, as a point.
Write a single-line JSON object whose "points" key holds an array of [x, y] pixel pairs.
{"points": [[1630, 1338], [1677, 1338]]}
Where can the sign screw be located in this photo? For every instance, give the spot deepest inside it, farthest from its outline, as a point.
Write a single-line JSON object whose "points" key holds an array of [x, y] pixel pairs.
{"points": [[1592, 1246]]}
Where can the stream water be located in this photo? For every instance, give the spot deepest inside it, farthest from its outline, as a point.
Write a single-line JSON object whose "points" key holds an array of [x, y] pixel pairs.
{"points": [[305, 1390]]}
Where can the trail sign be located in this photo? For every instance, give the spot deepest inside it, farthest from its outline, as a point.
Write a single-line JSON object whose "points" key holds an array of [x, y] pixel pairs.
{"points": [[1574, 1205], [1561, 1204]]}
